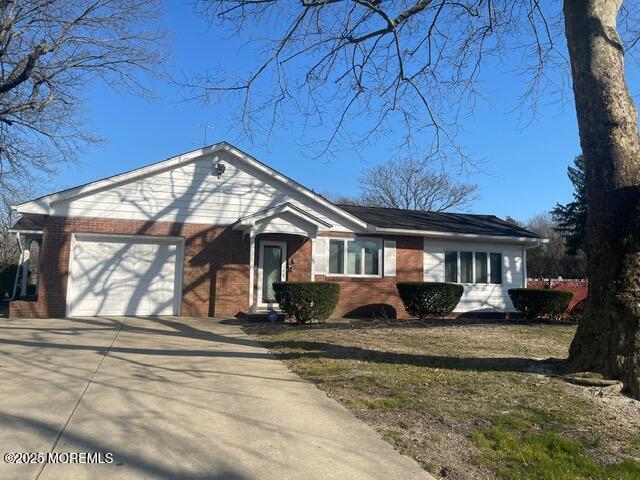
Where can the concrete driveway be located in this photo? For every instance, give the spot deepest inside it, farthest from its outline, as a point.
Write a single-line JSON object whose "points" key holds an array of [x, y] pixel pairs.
{"points": [[173, 398]]}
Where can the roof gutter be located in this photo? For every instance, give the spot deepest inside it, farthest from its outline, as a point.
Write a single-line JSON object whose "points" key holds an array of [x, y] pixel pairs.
{"points": [[529, 241], [33, 232]]}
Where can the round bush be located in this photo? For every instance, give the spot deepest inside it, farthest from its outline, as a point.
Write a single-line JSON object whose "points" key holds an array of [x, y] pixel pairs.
{"points": [[306, 301], [540, 302], [424, 299]]}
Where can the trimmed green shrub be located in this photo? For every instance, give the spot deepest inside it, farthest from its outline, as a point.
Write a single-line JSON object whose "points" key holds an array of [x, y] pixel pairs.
{"points": [[306, 301], [539, 302], [424, 299]]}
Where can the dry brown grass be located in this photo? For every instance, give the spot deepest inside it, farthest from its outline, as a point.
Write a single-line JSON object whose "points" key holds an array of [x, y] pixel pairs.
{"points": [[466, 399]]}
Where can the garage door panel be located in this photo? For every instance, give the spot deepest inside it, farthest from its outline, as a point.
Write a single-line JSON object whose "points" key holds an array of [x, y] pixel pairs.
{"points": [[111, 276]]}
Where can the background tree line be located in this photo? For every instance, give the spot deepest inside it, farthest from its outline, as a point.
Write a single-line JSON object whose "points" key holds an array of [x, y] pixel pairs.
{"points": [[565, 227]]}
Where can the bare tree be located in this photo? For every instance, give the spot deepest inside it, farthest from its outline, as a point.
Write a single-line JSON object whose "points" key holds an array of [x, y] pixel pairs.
{"points": [[413, 184], [340, 198], [418, 62], [551, 260], [9, 251], [49, 51], [545, 259]]}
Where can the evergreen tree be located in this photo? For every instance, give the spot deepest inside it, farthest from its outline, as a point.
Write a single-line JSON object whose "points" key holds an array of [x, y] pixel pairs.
{"points": [[572, 217]]}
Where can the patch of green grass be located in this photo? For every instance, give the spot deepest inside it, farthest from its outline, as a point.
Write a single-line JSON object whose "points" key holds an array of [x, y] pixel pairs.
{"points": [[392, 436], [394, 400], [395, 437], [431, 467], [633, 448], [404, 424], [326, 368], [547, 455], [532, 417], [364, 383]]}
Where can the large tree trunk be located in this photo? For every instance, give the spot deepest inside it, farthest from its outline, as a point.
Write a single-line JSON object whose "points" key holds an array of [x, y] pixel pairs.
{"points": [[608, 339]]}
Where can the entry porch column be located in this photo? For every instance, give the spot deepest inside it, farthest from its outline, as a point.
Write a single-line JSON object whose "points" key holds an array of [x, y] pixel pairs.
{"points": [[25, 268], [252, 262]]}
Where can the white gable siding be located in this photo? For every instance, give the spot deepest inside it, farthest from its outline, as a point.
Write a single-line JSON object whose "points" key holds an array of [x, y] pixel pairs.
{"points": [[285, 223], [192, 193], [477, 297]]}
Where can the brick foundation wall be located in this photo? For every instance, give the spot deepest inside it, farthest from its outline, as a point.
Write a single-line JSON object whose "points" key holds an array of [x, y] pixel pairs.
{"points": [[368, 297], [27, 309]]}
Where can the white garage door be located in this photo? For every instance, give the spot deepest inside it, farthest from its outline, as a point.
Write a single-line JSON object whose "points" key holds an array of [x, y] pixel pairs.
{"points": [[118, 276]]}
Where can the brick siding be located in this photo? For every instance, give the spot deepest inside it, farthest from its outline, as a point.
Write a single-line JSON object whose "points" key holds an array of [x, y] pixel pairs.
{"points": [[368, 297], [216, 268], [216, 265]]}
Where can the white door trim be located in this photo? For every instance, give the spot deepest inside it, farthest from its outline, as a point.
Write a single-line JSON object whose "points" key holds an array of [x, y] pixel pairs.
{"points": [[283, 274], [179, 266]]}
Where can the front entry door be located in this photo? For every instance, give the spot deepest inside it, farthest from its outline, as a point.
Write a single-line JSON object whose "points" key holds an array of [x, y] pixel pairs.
{"points": [[272, 267]]}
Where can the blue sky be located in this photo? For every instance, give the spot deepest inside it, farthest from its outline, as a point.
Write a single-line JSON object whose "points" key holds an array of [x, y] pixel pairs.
{"points": [[523, 166]]}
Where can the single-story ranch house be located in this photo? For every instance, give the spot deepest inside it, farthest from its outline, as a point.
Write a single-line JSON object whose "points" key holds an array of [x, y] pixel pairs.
{"points": [[206, 233]]}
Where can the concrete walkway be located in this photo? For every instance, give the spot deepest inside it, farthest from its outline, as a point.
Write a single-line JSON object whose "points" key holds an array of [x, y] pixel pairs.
{"points": [[175, 398]]}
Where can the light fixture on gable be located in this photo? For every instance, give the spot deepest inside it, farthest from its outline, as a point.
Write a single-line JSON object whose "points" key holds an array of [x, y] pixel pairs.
{"points": [[220, 168]]}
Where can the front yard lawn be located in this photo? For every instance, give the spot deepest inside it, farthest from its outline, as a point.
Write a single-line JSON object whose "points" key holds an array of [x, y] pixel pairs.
{"points": [[469, 400]]}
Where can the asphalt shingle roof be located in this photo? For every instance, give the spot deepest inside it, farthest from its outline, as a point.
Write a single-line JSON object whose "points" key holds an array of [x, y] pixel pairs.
{"points": [[437, 222]]}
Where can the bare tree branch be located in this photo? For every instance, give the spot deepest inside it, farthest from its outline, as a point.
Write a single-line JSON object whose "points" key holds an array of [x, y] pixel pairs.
{"points": [[414, 184], [49, 50], [359, 70]]}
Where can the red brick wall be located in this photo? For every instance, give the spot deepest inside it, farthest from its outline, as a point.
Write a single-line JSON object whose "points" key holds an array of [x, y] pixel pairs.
{"points": [[216, 268], [27, 309], [216, 265], [229, 284], [366, 297]]}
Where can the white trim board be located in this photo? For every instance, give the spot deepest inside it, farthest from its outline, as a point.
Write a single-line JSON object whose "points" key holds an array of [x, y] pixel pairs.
{"points": [[461, 236]]}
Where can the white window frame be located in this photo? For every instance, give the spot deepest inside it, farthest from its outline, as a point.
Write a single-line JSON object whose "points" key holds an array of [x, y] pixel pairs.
{"points": [[473, 266], [345, 267]]}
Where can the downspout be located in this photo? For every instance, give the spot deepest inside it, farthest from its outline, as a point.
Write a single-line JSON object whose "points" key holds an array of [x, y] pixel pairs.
{"points": [[19, 267], [524, 267]]}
